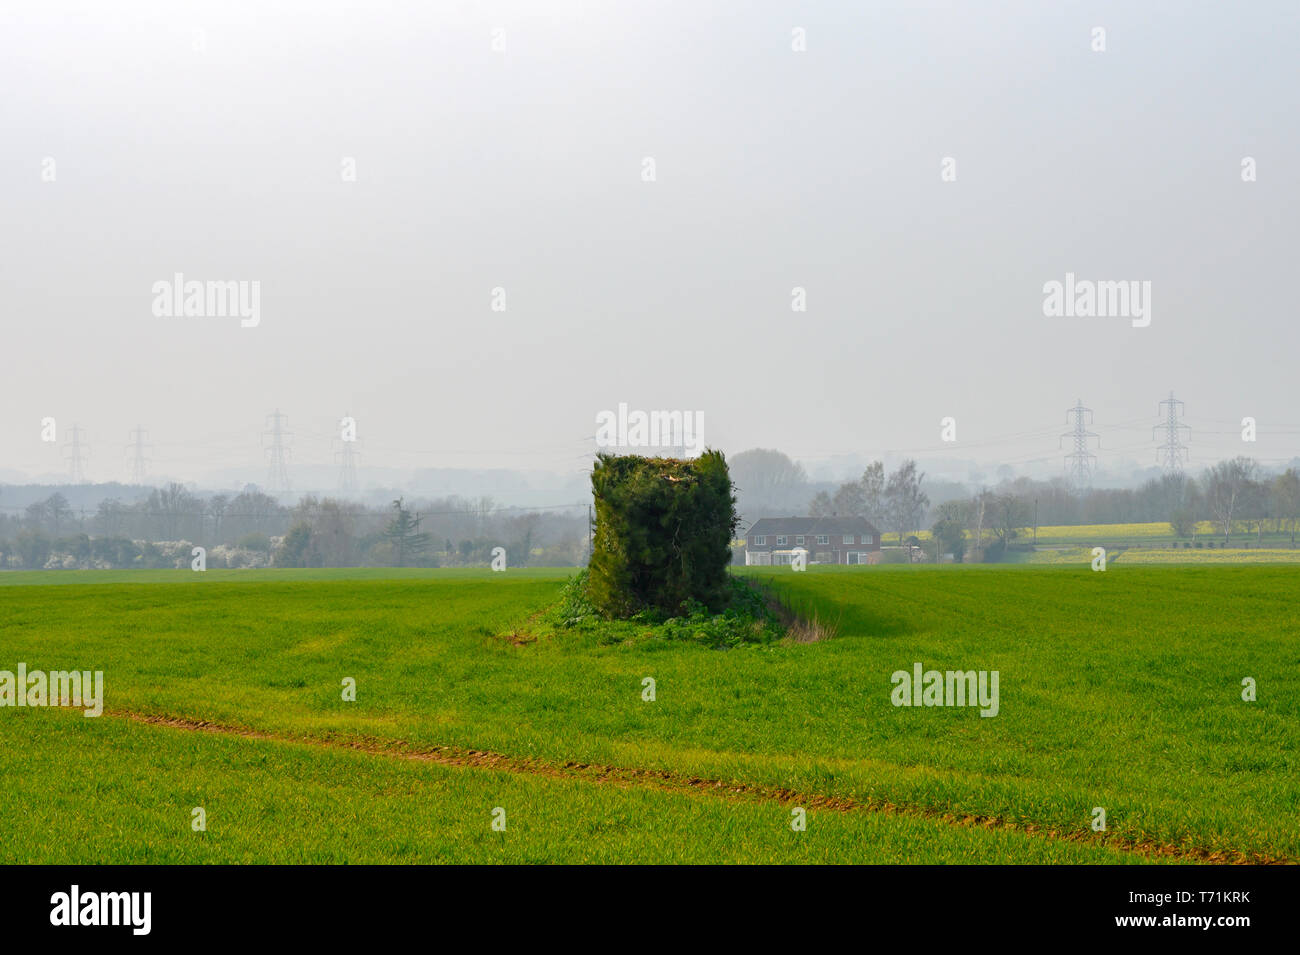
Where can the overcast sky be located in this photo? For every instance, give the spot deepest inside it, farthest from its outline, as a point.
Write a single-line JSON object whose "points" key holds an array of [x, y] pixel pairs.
{"points": [[212, 141]]}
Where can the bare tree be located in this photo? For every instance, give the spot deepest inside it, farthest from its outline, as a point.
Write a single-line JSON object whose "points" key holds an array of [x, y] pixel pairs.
{"points": [[873, 493], [110, 516], [252, 511], [821, 505], [35, 515], [1255, 505], [172, 505], [1225, 486], [56, 507], [848, 500], [906, 500], [334, 532], [1010, 516], [1286, 500], [979, 507], [766, 479], [217, 506], [762, 470]]}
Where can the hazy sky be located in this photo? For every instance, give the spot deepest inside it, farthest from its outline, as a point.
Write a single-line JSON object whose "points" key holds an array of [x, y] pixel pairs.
{"points": [[210, 139]]}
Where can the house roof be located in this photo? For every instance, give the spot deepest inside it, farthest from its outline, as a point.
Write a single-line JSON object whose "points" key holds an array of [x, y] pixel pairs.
{"points": [[812, 525]]}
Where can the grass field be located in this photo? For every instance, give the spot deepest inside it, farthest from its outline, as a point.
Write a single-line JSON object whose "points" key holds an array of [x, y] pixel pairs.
{"points": [[1119, 690]]}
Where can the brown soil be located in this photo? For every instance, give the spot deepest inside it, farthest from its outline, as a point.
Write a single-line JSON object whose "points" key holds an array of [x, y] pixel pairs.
{"points": [[679, 782]]}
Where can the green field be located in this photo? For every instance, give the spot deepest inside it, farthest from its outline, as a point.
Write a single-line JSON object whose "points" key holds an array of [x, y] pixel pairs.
{"points": [[1120, 690], [1145, 554]]}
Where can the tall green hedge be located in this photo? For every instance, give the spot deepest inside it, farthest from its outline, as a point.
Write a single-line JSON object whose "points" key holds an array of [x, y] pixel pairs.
{"points": [[663, 533]]}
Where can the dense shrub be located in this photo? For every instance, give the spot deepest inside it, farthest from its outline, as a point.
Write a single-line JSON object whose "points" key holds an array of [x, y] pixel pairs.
{"points": [[746, 619], [663, 533], [297, 548], [114, 551]]}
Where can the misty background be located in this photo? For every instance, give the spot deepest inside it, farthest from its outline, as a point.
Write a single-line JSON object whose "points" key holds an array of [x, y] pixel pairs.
{"points": [[502, 146]]}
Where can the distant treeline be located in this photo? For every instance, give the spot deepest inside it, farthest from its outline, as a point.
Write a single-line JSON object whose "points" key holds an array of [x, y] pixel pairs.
{"points": [[1230, 495], [903, 502], [252, 529], [771, 484]]}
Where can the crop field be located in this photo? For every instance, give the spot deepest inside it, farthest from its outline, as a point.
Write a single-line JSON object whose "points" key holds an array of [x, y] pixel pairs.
{"points": [[1158, 531], [1154, 532], [1080, 556], [1120, 691]]}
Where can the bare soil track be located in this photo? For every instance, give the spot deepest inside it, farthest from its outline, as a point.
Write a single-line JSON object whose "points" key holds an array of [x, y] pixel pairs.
{"points": [[685, 783]]}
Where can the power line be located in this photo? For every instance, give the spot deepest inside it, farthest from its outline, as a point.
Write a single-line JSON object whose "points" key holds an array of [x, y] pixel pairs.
{"points": [[76, 452], [1080, 462], [138, 459], [278, 471], [348, 455], [1173, 453]]}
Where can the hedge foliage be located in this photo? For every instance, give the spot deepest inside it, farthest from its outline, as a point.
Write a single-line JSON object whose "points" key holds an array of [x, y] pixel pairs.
{"points": [[663, 533]]}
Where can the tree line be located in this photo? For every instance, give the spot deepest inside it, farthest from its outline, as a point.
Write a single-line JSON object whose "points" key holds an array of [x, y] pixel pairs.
{"points": [[253, 529], [1236, 496]]}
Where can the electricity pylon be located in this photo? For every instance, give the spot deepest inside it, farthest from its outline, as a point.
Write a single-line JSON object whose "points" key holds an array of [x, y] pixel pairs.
{"points": [[76, 452], [1173, 453], [278, 470], [1079, 462], [138, 458]]}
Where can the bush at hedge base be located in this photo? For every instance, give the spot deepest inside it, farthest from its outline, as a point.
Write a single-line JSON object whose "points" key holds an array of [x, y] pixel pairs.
{"points": [[663, 533]]}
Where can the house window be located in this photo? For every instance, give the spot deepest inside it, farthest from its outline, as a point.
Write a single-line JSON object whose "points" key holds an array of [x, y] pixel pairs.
{"points": [[799, 541], [760, 540], [780, 542], [823, 538], [848, 539]]}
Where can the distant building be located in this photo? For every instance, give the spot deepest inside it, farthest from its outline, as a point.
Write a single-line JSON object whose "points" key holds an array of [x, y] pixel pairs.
{"points": [[828, 540]]}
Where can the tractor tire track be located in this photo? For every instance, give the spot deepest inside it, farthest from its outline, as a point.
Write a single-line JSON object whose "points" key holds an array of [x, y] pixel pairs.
{"points": [[669, 781]]}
